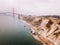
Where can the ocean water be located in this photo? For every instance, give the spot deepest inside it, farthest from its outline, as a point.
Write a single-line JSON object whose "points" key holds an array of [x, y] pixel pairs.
{"points": [[13, 32]]}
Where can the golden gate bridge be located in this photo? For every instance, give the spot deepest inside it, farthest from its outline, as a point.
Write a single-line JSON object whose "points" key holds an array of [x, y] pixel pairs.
{"points": [[13, 13]]}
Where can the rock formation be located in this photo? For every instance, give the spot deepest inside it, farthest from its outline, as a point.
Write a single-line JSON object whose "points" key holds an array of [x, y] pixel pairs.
{"points": [[44, 28]]}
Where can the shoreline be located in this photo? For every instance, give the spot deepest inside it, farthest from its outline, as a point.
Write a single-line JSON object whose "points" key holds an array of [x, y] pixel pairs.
{"points": [[35, 37]]}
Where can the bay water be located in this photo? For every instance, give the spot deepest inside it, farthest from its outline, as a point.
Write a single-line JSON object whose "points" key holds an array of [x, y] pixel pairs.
{"points": [[13, 32]]}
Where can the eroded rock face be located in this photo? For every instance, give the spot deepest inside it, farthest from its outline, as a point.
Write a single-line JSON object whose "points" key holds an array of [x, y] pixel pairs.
{"points": [[47, 28]]}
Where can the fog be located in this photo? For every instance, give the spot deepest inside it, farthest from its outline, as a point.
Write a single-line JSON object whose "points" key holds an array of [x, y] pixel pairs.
{"points": [[33, 7]]}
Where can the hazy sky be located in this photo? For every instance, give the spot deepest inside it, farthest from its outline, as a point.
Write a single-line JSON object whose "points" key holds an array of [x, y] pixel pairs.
{"points": [[34, 7]]}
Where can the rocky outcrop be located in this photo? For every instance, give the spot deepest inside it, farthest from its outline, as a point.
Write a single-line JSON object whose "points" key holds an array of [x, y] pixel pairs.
{"points": [[47, 29]]}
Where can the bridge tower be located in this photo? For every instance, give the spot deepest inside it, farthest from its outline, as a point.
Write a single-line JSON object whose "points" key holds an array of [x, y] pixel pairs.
{"points": [[13, 12]]}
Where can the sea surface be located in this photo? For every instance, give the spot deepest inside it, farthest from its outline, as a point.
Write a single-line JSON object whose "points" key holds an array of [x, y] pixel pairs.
{"points": [[15, 32]]}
